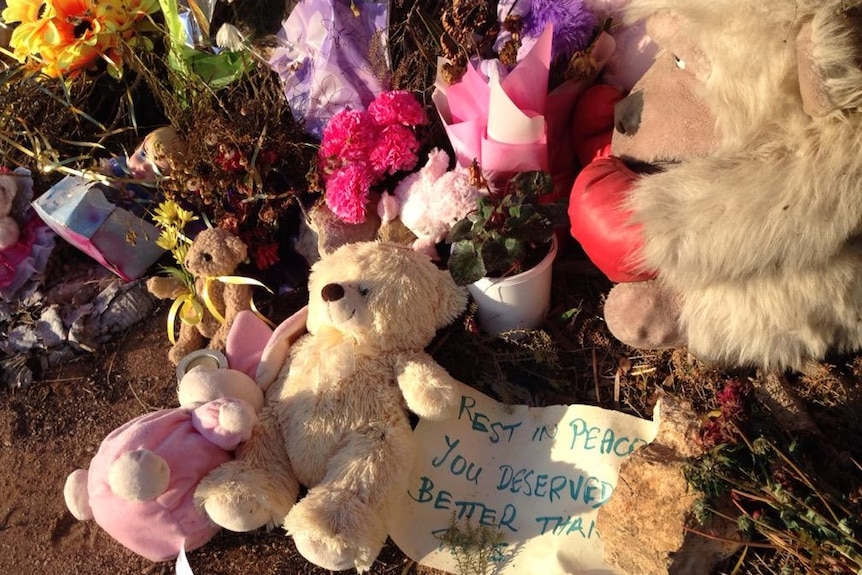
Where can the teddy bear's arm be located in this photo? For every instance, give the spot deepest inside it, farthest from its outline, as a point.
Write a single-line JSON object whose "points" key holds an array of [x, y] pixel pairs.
{"points": [[429, 391], [225, 422], [164, 287], [712, 219]]}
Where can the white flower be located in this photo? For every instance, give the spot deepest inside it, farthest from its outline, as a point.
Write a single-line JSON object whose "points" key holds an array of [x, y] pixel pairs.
{"points": [[230, 38]]}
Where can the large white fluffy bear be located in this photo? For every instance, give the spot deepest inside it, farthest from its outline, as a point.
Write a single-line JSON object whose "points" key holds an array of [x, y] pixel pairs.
{"points": [[336, 417], [750, 216]]}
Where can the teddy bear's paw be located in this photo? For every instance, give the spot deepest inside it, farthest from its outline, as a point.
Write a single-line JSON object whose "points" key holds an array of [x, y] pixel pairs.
{"points": [[139, 475], [644, 315], [240, 514], [237, 417], [241, 499], [335, 530], [77, 496], [324, 553]]}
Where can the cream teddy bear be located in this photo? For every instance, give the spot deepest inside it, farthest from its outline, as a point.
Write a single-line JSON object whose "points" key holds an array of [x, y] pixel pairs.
{"points": [[336, 417], [735, 183]]}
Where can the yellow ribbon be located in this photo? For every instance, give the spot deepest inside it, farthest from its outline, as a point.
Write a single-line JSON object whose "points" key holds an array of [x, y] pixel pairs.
{"points": [[190, 311]]}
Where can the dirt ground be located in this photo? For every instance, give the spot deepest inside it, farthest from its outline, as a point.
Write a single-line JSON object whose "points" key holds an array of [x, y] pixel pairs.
{"points": [[55, 425]]}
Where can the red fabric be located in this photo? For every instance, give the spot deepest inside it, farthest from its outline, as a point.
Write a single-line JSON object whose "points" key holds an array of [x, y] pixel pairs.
{"points": [[593, 122], [599, 222]]}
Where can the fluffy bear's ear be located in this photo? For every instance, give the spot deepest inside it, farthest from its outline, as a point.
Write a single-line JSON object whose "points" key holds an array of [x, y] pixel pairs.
{"points": [[829, 58], [452, 300], [237, 248]]}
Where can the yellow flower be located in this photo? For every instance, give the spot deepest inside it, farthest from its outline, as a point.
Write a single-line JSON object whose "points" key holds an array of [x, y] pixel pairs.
{"points": [[185, 216], [26, 11], [181, 250], [114, 15], [28, 38], [64, 37], [168, 239], [167, 214]]}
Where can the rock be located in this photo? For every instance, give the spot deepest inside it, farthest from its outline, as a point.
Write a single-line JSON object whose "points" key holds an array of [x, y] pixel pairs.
{"points": [[115, 309], [643, 526]]}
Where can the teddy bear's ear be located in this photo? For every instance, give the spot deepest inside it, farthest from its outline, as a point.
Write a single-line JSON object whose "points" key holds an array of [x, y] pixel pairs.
{"points": [[829, 59], [453, 300], [237, 248]]}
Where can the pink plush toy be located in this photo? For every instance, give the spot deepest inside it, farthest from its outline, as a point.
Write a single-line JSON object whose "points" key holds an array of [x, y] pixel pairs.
{"points": [[9, 230], [429, 201], [25, 241], [139, 487]]}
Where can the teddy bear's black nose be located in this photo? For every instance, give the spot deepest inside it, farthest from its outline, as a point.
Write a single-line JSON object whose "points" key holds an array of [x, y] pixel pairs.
{"points": [[332, 292], [627, 113]]}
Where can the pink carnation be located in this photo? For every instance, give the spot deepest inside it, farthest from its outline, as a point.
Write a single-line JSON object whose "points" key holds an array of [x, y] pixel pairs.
{"points": [[348, 136], [347, 192], [397, 107], [394, 150]]}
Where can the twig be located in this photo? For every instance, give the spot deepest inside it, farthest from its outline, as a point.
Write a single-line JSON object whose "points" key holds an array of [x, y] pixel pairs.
{"points": [[596, 377], [729, 540]]}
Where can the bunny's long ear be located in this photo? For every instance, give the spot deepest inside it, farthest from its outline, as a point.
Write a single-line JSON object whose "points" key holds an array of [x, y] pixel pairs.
{"points": [[829, 59], [245, 341], [274, 354]]}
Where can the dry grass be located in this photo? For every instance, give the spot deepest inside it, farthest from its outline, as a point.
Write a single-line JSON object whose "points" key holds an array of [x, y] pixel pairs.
{"points": [[795, 498]]}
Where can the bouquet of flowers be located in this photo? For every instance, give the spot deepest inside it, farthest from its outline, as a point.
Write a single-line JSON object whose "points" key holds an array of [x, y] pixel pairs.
{"points": [[361, 147]]}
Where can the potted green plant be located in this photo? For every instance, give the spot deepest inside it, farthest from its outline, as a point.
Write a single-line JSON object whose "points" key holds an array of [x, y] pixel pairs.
{"points": [[503, 251]]}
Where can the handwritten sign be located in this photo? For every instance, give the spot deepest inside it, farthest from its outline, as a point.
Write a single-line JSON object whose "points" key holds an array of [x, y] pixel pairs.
{"points": [[534, 477]]}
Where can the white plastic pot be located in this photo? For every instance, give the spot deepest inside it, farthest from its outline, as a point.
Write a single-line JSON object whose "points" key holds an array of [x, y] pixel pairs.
{"points": [[516, 302]]}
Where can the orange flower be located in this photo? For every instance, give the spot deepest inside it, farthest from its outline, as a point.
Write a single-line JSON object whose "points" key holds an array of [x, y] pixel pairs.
{"points": [[66, 36]]}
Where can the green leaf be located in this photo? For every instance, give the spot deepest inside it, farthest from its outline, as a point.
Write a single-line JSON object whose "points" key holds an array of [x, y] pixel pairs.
{"points": [[508, 231], [465, 263], [460, 231], [495, 257]]}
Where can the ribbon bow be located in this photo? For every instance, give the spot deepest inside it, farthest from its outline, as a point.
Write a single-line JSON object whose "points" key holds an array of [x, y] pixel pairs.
{"points": [[190, 309]]}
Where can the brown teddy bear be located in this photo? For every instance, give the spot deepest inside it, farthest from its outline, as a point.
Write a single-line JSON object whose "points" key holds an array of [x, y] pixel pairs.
{"points": [[214, 253], [736, 183], [336, 419]]}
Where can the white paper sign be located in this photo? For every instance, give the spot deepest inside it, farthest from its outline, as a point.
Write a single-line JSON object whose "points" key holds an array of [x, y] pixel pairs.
{"points": [[183, 567], [534, 477]]}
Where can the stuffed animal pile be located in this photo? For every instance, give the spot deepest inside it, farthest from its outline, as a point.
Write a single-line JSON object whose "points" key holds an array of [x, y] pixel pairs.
{"points": [[25, 241], [336, 416], [731, 208]]}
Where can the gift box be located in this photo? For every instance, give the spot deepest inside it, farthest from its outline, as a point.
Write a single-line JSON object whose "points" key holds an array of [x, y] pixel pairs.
{"points": [[79, 211]]}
